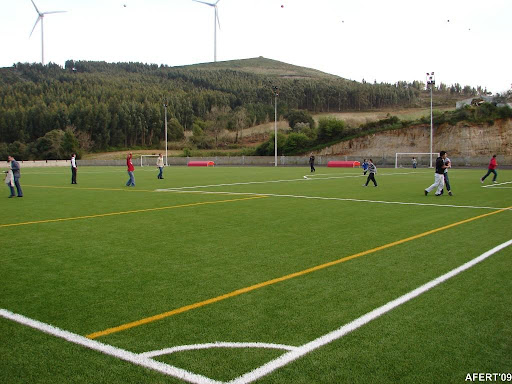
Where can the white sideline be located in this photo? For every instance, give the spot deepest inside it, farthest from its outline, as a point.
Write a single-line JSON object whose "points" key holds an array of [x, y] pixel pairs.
{"points": [[109, 349], [359, 322], [334, 198], [497, 185]]}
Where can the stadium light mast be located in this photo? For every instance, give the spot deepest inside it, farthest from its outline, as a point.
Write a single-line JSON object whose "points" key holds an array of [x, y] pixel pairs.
{"points": [[275, 89], [431, 81], [165, 108]]}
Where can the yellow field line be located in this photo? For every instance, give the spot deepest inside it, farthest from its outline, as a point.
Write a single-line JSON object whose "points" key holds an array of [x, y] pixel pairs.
{"points": [[127, 189], [128, 212], [280, 279]]}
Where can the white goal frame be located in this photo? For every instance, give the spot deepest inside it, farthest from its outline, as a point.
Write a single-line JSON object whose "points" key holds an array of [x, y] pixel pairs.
{"points": [[153, 165], [412, 153]]}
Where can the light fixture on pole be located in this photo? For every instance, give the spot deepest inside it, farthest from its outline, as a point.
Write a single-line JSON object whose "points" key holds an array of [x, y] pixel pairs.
{"points": [[275, 89], [431, 82], [165, 107]]}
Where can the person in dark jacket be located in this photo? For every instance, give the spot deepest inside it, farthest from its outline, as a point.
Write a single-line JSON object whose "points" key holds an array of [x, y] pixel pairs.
{"points": [[312, 162], [15, 168], [372, 169], [438, 175]]}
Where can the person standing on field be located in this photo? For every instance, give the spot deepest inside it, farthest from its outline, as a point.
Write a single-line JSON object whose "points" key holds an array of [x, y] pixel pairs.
{"points": [[312, 162], [15, 168], [438, 175], [160, 165], [9, 181], [131, 168], [414, 163], [372, 169], [73, 168], [365, 166], [448, 164], [491, 169]]}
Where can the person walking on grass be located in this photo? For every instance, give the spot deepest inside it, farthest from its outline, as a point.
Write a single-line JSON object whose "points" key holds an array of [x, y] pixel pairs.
{"points": [[312, 162], [9, 181], [448, 164], [131, 168], [15, 168], [372, 169], [491, 169], [73, 169], [160, 165], [414, 163], [438, 175]]}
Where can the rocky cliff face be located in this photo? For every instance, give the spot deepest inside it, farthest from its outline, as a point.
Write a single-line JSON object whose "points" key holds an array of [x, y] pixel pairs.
{"points": [[470, 144]]}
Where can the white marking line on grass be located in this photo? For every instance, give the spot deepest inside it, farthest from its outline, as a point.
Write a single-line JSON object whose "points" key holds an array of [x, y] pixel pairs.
{"points": [[334, 198], [110, 350], [359, 322], [217, 344], [277, 181], [497, 185]]}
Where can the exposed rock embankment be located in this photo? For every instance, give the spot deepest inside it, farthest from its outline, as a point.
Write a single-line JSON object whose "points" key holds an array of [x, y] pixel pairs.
{"points": [[469, 144]]}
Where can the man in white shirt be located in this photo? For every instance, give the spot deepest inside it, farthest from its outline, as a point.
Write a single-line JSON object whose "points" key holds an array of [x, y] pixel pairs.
{"points": [[73, 168]]}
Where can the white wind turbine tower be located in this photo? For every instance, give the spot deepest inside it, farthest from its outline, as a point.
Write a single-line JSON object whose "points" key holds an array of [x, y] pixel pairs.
{"points": [[40, 16], [215, 22]]}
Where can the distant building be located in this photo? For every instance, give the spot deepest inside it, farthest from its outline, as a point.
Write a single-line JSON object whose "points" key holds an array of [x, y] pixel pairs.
{"points": [[478, 100]]}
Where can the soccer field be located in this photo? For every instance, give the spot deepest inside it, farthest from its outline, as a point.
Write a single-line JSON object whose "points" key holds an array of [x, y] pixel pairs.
{"points": [[255, 274]]}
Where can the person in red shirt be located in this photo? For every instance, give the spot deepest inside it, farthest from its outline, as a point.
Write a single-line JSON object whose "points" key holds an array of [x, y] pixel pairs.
{"points": [[491, 169], [129, 164]]}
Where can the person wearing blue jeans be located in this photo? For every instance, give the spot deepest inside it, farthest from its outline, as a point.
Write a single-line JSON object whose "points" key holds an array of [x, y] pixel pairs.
{"points": [[129, 164], [15, 168]]}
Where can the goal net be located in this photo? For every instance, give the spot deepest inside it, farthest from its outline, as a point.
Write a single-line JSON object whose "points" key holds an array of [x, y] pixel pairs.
{"points": [[149, 160], [407, 159]]}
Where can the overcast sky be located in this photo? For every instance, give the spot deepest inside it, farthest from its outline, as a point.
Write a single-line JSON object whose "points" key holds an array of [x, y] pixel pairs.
{"points": [[386, 41]]}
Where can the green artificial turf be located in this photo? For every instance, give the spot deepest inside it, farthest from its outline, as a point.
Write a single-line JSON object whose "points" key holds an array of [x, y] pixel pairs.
{"points": [[98, 254]]}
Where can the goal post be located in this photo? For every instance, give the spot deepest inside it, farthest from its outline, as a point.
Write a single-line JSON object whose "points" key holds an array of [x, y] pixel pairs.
{"points": [[149, 160], [405, 159]]}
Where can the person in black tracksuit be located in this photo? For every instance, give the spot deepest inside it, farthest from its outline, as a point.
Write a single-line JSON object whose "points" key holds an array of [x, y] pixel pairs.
{"points": [[312, 162], [372, 169]]}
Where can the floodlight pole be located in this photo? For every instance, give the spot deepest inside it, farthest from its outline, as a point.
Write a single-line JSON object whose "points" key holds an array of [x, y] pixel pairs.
{"points": [[276, 94], [431, 81], [165, 107]]}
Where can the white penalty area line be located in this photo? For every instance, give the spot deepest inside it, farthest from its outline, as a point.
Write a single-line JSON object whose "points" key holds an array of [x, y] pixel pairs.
{"points": [[334, 199], [304, 178], [288, 357]]}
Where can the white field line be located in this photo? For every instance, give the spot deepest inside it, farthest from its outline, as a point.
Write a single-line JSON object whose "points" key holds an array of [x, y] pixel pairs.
{"points": [[278, 181], [217, 344], [359, 322], [497, 185], [119, 353], [334, 199]]}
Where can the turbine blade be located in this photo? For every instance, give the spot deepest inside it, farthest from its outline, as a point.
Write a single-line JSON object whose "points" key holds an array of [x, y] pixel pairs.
{"points": [[204, 2], [217, 2], [47, 13], [37, 21], [37, 10]]}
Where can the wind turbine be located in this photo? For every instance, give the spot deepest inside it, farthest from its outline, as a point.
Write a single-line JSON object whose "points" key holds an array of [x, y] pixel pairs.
{"points": [[40, 16], [215, 22]]}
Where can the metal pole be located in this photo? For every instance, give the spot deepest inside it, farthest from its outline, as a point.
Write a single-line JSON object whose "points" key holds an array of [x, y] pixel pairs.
{"points": [[275, 130], [215, 36], [165, 106], [431, 125], [42, 41]]}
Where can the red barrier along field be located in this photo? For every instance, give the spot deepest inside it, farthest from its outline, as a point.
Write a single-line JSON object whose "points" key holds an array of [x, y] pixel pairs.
{"points": [[346, 164], [201, 164]]}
